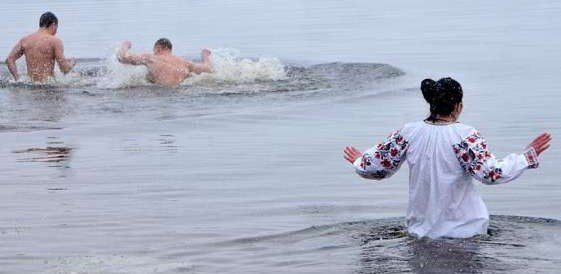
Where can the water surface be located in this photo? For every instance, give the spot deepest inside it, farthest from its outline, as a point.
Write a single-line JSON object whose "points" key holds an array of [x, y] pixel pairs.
{"points": [[242, 171]]}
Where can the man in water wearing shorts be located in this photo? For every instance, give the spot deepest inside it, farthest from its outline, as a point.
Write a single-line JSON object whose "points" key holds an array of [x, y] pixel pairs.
{"points": [[164, 68], [41, 50]]}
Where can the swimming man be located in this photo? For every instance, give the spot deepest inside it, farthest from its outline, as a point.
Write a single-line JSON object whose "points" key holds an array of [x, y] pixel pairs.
{"points": [[164, 68], [41, 50]]}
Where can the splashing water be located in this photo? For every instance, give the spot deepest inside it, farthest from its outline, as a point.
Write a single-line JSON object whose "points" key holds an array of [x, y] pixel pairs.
{"points": [[119, 75], [227, 66]]}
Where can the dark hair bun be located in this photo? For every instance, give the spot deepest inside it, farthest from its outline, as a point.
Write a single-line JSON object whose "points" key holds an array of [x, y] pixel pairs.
{"points": [[428, 87], [442, 96]]}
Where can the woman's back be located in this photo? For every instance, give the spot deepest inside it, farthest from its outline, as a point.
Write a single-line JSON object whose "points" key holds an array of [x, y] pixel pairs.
{"points": [[443, 157], [443, 200]]}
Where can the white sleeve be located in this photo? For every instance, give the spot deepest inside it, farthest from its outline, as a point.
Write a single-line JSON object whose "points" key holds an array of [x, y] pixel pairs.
{"points": [[383, 160], [477, 161]]}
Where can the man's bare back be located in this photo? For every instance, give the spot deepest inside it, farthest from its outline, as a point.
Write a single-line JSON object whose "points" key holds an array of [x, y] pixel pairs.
{"points": [[164, 68], [41, 50]]}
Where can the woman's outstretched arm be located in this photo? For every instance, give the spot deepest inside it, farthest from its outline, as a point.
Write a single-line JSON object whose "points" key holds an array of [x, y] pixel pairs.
{"points": [[476, 159], [381, 161]]}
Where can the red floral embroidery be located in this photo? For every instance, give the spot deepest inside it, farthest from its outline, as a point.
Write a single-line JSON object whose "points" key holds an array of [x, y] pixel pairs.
{"points": [[386, 158], [465, 157], [386, 163], [472, 154], [531, 158], [495, 174]]}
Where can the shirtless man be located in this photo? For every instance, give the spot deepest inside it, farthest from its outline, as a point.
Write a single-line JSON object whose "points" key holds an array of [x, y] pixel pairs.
{"points": [[41, 50], [164, 68]]}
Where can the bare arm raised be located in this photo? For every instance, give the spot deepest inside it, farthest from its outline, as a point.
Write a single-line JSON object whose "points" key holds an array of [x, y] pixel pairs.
{"points": [[14, 55], [64, 64], [204, 66], [125, 57]]}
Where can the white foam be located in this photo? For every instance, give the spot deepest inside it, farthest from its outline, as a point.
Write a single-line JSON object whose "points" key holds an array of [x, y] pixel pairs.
{"points": [[119, 75], [72, 79], [228, 66]]}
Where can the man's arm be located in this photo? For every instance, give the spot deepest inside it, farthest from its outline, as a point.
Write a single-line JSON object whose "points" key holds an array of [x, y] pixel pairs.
{"points": [[204, 66], [125, 57], [14, 55], [64, 64]]}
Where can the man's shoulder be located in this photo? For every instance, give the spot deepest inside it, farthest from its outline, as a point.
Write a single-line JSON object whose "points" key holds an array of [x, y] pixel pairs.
{"points": [[182, 61], [36, 38], [55, 41], [28, 38]]}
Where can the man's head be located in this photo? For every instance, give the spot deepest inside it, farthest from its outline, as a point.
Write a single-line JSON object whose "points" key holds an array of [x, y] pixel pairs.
{"points": [[49, 21], [162, 45]]}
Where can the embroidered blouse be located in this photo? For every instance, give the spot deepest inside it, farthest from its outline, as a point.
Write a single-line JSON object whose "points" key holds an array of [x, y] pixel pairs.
{"points": [[443, 159]]}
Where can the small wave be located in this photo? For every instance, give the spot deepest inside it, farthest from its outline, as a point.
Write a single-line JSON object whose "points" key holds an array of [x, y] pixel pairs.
{"points": [[392, 228], [383, 246], [23, 128]]}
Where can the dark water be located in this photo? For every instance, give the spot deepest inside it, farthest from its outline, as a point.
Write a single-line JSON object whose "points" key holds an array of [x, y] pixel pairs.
{"points": [[241, 171]]}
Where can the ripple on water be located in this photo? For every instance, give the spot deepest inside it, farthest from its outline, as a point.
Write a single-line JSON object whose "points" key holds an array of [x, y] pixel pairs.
{"points": [[373, 246], [25, 128], [383, 246]]}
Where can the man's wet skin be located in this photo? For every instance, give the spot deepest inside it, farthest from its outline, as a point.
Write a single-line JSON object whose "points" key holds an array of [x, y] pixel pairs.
{"points": [[164, 68], [41, 49]]}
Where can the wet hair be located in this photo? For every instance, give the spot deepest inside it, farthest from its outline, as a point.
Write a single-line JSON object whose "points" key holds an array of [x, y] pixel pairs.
{"points": [[47, 19], [443, 96], [164, 43]]}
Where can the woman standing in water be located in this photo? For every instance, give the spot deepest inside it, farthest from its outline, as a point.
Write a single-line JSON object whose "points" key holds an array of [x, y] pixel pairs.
{"points": [[443, 156]]}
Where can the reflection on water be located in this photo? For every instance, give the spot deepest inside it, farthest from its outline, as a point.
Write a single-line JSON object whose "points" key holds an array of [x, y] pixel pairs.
{"points": [[55, 154]]}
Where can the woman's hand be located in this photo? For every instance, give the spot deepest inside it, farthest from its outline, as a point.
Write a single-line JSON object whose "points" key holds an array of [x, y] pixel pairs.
{"points": [[541, 143], [351, 154]]}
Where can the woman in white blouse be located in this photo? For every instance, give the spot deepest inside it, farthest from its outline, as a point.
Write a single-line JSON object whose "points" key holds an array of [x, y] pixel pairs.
{"points": [[443, 156]]}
